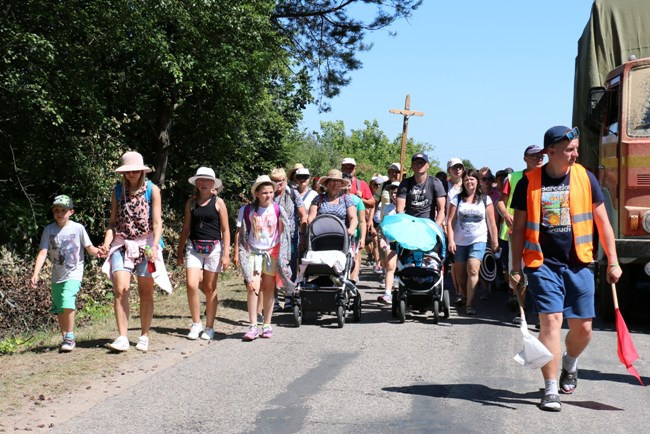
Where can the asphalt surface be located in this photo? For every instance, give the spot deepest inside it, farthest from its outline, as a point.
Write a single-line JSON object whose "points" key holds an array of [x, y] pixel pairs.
{"points": [[378, 376]]}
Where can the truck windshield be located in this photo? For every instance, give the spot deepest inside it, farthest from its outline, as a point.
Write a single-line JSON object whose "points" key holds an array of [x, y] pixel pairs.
{"points": [[638, 119]]}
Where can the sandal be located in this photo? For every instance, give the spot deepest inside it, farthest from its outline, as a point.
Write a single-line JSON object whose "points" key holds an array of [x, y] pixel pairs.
{"points": [[551, 402], [469, 310], [568, 381]]}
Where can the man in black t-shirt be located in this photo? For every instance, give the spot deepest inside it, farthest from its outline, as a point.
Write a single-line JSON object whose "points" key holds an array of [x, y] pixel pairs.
{"points": [[422, 195]]}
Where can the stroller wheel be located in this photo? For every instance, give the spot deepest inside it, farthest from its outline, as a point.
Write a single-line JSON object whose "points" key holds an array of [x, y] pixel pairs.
{"points": [[394, 303], [436, 311], [297, 315], [340, 316], [445, 303], [401, 312], [356, 308]]}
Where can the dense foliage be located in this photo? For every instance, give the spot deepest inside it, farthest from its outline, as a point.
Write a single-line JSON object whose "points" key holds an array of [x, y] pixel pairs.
{"points": [[370, 147], [220, 83]]}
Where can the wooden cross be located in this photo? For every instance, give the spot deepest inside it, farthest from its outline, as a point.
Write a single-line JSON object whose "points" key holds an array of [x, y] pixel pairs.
{"points": [[407, 113]]}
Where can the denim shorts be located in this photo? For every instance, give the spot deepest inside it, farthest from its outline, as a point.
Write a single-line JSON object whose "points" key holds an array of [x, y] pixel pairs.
{"points": [[117, 264], [560, 288], [475, 250]]}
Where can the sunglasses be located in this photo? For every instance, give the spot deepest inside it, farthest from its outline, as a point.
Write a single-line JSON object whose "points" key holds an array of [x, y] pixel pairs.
{"points": [[536, 156], [570, 135], [486, 179], [302, 177]]}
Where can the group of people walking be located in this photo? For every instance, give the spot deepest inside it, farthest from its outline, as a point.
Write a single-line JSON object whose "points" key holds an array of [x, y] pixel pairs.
{"points": [[541, 219]]}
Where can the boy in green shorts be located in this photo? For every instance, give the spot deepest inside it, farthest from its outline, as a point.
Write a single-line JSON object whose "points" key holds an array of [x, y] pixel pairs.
{"points": [[63, 240]]}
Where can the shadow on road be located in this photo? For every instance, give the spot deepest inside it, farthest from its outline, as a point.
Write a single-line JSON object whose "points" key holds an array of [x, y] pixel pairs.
{"points": [[478, 393], [488, 396]]}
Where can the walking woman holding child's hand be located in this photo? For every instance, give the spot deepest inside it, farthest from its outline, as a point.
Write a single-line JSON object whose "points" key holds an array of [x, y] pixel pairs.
{"points": [[132, 246]]}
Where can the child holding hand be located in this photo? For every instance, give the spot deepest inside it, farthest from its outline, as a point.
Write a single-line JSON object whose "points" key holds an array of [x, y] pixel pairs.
{"points": [[61, 242]]}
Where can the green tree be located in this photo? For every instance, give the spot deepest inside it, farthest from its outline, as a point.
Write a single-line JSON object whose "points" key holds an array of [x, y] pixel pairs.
{"points": [[370, 147], [219, 83]]}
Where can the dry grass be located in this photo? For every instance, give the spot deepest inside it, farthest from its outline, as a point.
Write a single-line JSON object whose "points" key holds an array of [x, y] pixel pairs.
{"points": [[40, 374]]}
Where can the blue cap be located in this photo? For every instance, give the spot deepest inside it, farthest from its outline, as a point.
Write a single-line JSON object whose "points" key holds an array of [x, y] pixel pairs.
{"points": [[532, 150], [420, 156], [554, 135]]}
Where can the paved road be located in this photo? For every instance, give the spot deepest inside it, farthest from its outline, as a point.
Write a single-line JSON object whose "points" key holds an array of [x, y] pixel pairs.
{"points": [[377, 376]]}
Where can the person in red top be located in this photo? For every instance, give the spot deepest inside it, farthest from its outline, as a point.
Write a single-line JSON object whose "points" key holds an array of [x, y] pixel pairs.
{"points": [[358, 187]]}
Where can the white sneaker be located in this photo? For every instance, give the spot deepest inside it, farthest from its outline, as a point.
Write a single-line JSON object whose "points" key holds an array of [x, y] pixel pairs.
{"points": [[195, 331], [143, 344], [119, 344], [208, 334]]}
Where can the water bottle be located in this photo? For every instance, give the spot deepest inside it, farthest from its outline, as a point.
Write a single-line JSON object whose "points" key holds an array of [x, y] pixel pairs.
{"points": [[151, 265]]}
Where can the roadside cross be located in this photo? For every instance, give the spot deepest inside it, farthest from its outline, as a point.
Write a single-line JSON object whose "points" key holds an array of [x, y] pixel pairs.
{"points": [[407, 113]]}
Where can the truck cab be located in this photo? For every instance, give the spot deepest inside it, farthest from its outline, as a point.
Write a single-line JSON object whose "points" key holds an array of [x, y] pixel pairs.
{"points": [[622, 107]]}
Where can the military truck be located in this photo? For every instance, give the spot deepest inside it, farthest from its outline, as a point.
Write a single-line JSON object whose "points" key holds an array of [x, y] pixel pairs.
{"points": [[612, 110]]}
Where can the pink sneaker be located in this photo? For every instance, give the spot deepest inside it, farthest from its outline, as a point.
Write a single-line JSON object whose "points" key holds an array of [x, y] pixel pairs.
{"points": [[252, 333], [267, 331]]}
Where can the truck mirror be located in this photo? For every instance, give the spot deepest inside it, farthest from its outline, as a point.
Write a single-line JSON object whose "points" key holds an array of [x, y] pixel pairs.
{"points": [[596, 106]]}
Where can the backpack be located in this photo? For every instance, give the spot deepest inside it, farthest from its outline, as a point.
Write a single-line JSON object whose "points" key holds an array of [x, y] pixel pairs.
{"points": [[358, 184], [147, 195]]}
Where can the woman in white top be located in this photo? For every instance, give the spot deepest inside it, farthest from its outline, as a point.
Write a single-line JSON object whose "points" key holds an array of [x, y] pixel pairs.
{"points": [[470, 220]]}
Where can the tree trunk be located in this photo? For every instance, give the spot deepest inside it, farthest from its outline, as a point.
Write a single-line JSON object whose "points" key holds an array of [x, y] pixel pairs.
{"points": [[166, 107]]}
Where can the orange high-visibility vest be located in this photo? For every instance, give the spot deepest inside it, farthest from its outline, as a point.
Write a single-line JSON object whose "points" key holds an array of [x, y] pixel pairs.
{"points": [[580, 209]]}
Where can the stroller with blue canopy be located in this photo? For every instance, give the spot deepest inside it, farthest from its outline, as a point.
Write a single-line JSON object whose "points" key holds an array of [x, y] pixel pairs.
{"points": [[421, 250], [324, 272]]}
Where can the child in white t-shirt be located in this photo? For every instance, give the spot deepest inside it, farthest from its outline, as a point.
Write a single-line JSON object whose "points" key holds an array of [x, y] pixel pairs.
{"points": [[62, 242]]}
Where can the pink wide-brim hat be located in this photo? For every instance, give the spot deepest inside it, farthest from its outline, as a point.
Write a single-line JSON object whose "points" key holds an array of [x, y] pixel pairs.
{"points": [[132, 161]]}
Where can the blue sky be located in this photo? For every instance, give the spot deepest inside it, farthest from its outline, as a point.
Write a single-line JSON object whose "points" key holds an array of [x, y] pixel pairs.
{"points": [[491, 77]]}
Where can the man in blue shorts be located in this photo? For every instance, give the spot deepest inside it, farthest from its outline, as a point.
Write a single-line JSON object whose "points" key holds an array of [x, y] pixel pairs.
{"points": [[556, 206]]}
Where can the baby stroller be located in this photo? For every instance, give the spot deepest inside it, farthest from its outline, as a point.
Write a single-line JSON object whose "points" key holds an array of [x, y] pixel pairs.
{"points": [[421, 250], [324, 271]]}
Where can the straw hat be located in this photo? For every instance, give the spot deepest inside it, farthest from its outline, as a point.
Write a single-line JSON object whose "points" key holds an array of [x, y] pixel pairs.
{"points": [[336, 175], [132, 161], [488, 270], [206, 173], [292, 171], [263, 179]]}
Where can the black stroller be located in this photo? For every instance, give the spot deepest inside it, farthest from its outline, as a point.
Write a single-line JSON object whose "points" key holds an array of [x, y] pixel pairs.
{"points": [[421, 286], [324, 271]]}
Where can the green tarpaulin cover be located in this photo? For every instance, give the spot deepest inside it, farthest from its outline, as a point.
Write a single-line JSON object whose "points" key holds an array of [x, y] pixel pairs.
{"points": [[616, 30]]}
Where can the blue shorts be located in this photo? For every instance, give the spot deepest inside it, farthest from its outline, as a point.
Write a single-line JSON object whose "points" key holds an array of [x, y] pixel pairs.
{"points": [[117, 264], [560, 288], [476, 251]]}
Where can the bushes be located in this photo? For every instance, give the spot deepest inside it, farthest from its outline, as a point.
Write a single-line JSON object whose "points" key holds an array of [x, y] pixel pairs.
{"points": [[24, 309]]}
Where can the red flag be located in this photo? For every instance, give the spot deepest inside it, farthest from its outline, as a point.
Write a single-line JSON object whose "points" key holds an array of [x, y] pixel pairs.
{"points": [[626, 350]]}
